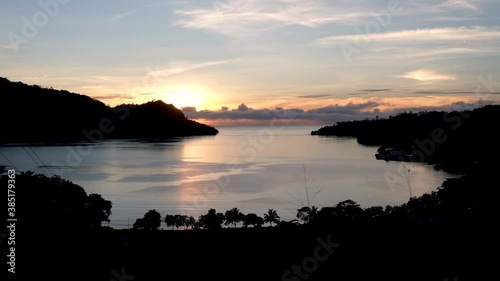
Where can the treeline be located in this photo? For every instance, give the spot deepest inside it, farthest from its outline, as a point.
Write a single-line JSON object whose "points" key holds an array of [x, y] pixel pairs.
{"points": [[460, 139], [45, 115], [470, 197], [211, 221]]}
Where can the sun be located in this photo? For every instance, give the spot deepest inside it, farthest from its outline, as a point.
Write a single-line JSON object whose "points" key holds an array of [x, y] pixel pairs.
{"points": [[184, 96]]}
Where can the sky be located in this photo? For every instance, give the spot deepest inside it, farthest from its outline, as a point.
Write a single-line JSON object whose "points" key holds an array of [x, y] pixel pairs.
{"points": [[248, 61]]}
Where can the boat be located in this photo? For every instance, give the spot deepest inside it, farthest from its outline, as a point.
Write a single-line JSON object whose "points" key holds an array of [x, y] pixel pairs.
{"points": [[392, 153]]}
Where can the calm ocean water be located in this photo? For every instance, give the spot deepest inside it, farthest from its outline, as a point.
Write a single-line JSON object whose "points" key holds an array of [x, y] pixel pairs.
{"points": [[252, 168]]}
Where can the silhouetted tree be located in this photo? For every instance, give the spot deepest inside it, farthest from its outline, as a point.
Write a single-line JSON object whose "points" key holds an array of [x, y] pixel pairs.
{"points": [[348, 209], [307, 214], [139, 224], [212, 220], [99, 209], [185, 220], [65, 203], [253, 219], [191, 222], [303, 214], [180, 220], [271, 217], [233, 216], [170, 220], [150, 221]]}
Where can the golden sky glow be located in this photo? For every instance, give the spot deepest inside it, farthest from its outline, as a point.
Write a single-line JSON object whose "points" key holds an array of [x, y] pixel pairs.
{"points": [[184, 96]]}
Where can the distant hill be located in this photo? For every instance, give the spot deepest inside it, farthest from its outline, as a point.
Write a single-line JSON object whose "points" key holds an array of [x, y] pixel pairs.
{"points": [[451, 138], [31, 113]]}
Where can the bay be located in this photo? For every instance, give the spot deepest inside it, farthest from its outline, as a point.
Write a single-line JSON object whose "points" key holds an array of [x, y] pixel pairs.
{"points": [[253, 168]]}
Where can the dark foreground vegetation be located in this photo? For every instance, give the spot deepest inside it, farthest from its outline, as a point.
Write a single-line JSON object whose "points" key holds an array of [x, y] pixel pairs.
{"points": [[41, 115], [457, 141], [448, 234]]}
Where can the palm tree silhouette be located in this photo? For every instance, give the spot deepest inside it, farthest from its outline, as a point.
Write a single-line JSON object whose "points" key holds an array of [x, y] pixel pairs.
{"points": [[233, 216], [271, 217]]}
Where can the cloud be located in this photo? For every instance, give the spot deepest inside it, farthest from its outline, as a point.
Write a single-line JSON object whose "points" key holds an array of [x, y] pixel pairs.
{"points": [[141, 8], [357, 94], [243, 107], [455, 106], [120, 16], [428, 35], [470, 7], [419, 53], [429, 92], [242, 17], [427, 75], [448, 19], [349, 108], [368, 91], [189, 109], [322, 115], [292, 115], [313, 96], [178, 67], [461, 4], [114, 97], [441, 53], [376, 90]]}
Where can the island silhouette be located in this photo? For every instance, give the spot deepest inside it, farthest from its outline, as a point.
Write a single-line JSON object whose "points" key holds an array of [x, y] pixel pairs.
{"points": [[456, 141], [44, 115]]}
